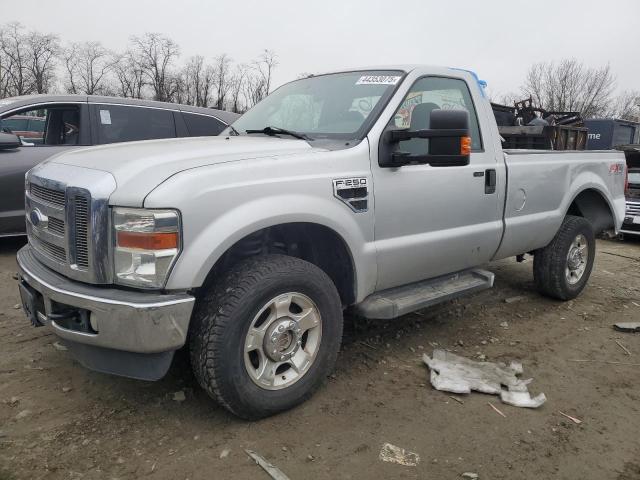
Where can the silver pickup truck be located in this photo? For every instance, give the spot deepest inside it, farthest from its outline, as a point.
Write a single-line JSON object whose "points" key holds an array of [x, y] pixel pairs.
{"points": [[379, 190]]}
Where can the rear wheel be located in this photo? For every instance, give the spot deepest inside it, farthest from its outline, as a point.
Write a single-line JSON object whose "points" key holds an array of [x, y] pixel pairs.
{"points": [[267, 335], [562, 268]]}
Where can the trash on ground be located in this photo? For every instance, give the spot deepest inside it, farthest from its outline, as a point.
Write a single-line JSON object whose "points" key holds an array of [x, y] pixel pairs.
{"points": [[58, 346], [626, 350], [627, 326], [456, 374], [470, 475], [225, 453], [391, 453], [179, 396], [495, 409], [514, 299], [274, 472], [23, 414], [573, 419]]}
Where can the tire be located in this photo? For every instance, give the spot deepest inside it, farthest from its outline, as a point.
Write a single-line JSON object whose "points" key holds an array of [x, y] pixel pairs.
{"points": [[558, 270], [252, 297]]}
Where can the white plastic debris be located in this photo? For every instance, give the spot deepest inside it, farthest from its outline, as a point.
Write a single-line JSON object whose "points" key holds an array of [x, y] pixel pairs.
{"points": [[456, 374], [274, 472], [627, 326], [391, 453]]}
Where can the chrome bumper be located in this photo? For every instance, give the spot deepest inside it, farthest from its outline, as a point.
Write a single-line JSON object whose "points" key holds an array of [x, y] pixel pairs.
{"points": [[130, 321]]}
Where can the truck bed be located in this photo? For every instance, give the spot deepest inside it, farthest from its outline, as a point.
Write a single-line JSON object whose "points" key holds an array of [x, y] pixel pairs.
{"points": [[542, 184]]}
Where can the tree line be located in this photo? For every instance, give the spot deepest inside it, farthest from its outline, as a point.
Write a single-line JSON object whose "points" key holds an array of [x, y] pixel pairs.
{"points": [[150, 67], [571, 86]]}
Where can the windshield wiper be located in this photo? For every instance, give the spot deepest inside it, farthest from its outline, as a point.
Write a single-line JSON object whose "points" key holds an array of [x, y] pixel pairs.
{"points": [[272, 131]]}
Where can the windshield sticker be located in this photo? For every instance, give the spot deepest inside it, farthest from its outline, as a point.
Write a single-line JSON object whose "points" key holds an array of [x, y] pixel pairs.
{"points": [[378, 80], [105, 117]]}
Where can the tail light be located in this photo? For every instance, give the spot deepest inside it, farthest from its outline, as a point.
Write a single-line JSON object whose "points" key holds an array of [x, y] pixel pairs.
{"points": [[626, 179]]}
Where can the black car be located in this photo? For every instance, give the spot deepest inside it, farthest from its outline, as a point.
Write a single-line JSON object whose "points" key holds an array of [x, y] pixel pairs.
{"points": [[74, 121]]}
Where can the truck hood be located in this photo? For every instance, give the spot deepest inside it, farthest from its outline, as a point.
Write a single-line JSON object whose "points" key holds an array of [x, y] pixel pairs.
{"points": [[138, 167]]}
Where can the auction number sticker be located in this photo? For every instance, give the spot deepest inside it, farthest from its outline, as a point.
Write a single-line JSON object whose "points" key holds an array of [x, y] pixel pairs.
{"points": [[378, 80]]}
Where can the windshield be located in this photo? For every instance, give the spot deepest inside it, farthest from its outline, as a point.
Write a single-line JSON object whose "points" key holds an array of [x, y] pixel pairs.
{"points": [[634, 177], [335, 106]]}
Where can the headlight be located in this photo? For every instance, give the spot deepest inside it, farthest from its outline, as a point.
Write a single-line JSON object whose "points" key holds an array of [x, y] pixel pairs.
{"points": [[147, 242]]}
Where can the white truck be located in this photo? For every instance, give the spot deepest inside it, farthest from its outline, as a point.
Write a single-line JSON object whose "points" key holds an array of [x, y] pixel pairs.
{"points": [[380, 190]]}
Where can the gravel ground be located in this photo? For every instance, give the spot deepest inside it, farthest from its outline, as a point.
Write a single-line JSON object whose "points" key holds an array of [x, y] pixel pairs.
{"points": [[60, 421]]}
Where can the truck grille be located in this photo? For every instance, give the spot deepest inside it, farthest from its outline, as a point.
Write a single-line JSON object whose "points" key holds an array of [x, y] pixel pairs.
{"points": [[64, 237], [633, 209], [49, 195], [56, 226], [57, 253], [68, 220], [81, 223]]}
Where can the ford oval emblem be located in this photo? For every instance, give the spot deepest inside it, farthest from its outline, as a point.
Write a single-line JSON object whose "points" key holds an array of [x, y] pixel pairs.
{"points": [[38, 219]]}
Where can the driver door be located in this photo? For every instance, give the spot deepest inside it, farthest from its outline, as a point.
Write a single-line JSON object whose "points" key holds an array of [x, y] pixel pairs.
{"points": [[431, 221]]}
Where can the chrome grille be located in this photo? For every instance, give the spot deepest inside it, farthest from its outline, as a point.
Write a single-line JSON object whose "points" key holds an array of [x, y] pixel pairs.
{"points": [[81, 239], [633, 208], [49, 195], [56, 226], [75, 203], [54, 251]]}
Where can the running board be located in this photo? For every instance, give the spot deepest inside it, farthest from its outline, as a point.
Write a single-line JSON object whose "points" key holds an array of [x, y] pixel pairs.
{"points": [[398, 301]]}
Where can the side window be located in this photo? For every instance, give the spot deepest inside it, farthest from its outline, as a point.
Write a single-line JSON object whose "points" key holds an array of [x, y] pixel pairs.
{"points": [[428, 94], [202, 125], [56, 125], [122, 123]]}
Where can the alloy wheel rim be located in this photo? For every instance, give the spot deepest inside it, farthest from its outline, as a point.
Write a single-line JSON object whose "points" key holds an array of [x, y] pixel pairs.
{"points": [[282, 341], [577, 258]]}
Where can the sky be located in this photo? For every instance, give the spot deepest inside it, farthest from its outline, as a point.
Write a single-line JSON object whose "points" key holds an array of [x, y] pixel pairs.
{"points": [[497, 39]]}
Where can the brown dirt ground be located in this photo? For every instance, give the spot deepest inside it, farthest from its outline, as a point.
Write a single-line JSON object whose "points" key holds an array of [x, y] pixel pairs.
{"points": [[108, 427]]}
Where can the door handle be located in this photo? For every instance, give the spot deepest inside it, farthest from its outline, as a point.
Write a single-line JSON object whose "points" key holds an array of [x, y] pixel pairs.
{"points": [[490, 181]]}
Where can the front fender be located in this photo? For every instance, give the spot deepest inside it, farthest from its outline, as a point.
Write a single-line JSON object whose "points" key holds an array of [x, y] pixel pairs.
{"points": [[209, 244]]}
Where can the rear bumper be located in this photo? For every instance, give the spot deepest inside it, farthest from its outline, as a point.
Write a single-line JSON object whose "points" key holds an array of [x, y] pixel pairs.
{"points": [[115, 321]]}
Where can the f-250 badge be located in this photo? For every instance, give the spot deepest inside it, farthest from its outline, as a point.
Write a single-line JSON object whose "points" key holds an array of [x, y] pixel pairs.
{"points": [[352, 191]]}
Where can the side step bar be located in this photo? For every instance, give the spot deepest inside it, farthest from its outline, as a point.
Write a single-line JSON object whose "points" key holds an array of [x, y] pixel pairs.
{"points": [[398, 301]]}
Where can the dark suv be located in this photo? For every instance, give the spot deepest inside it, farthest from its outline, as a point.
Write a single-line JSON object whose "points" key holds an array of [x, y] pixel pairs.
{"points": [[49, 124]]}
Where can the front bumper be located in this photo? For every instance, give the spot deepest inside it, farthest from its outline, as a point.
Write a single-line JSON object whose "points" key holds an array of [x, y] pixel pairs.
{"points": [[130, 326]]}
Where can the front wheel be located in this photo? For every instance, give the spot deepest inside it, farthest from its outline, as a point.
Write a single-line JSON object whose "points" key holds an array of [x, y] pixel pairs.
{"points": [[266, 335], [562, 268]]}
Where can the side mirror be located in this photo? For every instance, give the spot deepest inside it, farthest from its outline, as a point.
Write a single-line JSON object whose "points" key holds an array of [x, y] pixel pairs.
{"points": [[9, 141], [449, 142]]}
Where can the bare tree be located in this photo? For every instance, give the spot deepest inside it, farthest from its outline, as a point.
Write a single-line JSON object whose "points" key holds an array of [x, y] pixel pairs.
{"points": [[258, 81], [266, 64], [198, 79], [87, 65], [42, 51], [129, 75], [626, 106], [570, 86], [237, 87], [254, 88], [16, 60], [155, 56], [222, 68]]}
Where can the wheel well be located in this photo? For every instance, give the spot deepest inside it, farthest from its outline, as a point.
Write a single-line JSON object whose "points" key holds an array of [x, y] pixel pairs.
{"points": [[314, 243], [591, 205]]}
